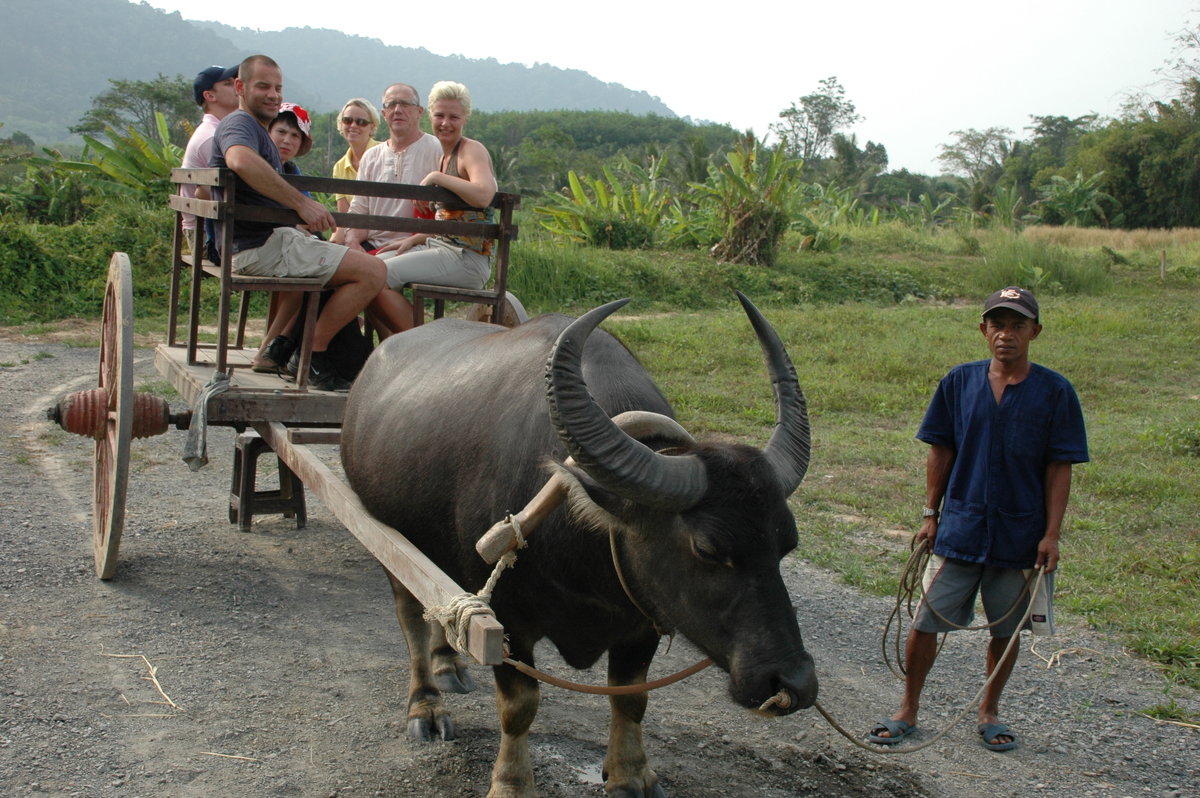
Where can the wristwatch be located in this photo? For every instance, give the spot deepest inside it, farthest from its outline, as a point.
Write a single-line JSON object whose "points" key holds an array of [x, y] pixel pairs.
{"points": [[929, 512]]}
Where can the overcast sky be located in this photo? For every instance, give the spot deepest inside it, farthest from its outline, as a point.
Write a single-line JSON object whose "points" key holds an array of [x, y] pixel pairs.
{"points": [[916, 71]]}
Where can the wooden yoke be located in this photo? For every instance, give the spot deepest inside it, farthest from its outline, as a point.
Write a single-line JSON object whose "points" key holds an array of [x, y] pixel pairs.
{"points": [[502, 537]]}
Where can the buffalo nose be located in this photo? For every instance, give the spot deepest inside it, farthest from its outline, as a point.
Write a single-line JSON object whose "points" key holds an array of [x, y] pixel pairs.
{"points": [[802, 684]]}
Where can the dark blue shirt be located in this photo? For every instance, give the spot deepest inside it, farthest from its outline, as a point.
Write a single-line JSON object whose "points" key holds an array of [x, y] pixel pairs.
{"points": [[242, 129], [994, 510]]}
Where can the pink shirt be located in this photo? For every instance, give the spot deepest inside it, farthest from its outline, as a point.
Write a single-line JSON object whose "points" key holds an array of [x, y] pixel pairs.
{"points": [[199, 149]]}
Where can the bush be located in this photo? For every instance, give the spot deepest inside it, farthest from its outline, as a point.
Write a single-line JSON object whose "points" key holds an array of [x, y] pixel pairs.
{"points": [[751, 200], [624, 210], [57, 271]]}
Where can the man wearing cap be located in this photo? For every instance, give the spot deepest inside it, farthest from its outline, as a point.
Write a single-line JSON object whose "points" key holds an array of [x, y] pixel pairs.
{"points": [[1003, 434], [215, 93], [243, 144]]}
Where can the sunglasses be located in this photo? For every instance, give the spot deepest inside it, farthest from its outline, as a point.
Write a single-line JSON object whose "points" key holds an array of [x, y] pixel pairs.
{"points": [[350, 120]]}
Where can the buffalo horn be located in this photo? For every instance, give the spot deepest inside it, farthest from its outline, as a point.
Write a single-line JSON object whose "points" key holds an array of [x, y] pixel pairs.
{"points": [[788, 449], [618, 462], [644, 424]]}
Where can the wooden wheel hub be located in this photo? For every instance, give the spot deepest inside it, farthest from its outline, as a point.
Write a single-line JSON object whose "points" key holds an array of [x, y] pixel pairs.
{"points": [[87, 413]]}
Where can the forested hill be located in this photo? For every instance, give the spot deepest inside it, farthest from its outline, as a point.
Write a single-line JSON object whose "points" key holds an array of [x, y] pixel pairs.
{"points": [[55, 55], [331, 67]]}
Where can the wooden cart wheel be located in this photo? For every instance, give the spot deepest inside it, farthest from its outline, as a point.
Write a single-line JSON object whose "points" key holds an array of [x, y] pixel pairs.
{"points": [[514, 312], [110, 468]]}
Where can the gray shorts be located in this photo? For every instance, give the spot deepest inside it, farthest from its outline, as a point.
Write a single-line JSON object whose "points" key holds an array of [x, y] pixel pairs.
{"points": [[952, 585], [290, 253], [438, 262]]}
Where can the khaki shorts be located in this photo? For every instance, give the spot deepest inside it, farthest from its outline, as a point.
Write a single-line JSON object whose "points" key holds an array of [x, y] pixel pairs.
{"points": [[291, 253]]}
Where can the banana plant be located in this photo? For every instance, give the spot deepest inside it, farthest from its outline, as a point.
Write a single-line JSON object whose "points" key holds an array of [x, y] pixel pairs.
{"points": [[623, 209], [1074, 203], [752, 198], [128, 164], [1005, 207]]}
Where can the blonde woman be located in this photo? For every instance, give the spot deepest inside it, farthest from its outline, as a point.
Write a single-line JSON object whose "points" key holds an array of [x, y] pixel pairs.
{"points": [[357, 123]]}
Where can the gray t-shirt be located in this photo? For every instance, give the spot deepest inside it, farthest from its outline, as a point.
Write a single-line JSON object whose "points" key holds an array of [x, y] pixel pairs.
{"points": [[241, 129]]}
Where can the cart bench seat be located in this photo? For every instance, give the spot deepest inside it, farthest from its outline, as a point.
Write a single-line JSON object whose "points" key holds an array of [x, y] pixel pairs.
{"points": [[226, 211]]}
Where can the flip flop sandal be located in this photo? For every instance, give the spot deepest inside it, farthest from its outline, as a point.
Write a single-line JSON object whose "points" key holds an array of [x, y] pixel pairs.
{"points": [[898, 729], [990, 731]]}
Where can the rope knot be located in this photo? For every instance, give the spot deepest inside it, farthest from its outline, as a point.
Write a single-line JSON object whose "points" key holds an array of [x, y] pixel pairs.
{"points": [[456, 615]]}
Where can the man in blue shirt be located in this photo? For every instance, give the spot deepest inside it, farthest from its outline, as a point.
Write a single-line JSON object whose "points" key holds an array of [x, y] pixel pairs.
{"points": [[242, 144], [1003, 434]]}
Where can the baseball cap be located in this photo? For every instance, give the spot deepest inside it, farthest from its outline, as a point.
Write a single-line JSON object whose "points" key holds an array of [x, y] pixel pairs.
{"points": [[210, 77], [302, 122], [1013, 298]]}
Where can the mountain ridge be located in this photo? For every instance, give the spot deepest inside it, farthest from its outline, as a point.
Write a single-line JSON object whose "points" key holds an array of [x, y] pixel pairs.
{"points": [[56, 55]]}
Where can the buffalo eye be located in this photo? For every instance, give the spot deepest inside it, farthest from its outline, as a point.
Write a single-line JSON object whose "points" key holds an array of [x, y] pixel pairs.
{"points": [[705, 550]]}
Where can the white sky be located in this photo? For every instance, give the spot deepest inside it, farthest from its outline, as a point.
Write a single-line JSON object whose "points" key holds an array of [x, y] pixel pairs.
{"points": [[916, 71]]}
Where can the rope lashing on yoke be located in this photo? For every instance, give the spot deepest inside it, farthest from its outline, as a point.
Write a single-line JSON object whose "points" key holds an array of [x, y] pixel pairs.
{"points": [[457, 613], [455, 616]]}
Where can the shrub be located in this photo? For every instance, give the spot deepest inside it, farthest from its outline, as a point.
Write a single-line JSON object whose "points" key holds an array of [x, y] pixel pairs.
{"points": [[56, 271]]}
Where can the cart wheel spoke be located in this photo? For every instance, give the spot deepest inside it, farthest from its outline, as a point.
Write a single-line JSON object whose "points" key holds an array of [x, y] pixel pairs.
{"points": [[110, 467]]}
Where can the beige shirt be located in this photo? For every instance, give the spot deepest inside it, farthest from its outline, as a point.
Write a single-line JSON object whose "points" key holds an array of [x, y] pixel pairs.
{"points": [[383, 165]]}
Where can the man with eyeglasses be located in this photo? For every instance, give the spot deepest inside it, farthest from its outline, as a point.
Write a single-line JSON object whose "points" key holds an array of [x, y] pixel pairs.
{"points": [[406, 157]]}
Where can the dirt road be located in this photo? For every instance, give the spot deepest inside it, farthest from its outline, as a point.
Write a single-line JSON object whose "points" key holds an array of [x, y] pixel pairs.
{"points": [[269, 663]]}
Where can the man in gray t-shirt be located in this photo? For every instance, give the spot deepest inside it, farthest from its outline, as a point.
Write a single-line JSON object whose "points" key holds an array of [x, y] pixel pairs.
{"points": [[241, 143]]}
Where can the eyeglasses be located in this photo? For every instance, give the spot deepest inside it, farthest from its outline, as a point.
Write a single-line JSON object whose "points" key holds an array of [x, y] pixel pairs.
{"points": [[401, 104], [350, 120]]}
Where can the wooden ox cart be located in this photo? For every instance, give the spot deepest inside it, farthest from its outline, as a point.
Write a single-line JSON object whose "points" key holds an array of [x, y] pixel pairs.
{"points": [[271, 413]]}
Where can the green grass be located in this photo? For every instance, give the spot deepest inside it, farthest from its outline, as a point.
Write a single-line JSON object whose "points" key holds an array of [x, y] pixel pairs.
{"points": [[160, 388], [26, 361], [1171, 712]]}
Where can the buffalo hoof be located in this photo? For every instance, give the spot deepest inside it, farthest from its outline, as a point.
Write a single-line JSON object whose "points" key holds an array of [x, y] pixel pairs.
{"points": [[454, 681], [504, 790], [425, 729], [632, 790]]}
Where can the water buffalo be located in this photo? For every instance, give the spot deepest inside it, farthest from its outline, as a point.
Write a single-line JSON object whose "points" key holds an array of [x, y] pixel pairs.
{"points": [[452, 425]]}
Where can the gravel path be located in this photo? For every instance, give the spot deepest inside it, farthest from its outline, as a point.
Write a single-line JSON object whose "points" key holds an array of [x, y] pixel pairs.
{"points": [[285, 668]]}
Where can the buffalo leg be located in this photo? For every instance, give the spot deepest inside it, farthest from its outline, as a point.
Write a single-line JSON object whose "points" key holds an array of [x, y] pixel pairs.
{"points": [[626, 771], [450, 672], [427, 714], [517, 699]]}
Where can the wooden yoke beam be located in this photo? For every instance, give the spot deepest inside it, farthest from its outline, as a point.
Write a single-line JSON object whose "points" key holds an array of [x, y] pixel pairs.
{"points": [[427, 582], [502, 537]]}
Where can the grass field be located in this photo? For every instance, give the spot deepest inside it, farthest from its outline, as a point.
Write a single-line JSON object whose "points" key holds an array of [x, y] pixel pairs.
{"points": [[872, 327]]}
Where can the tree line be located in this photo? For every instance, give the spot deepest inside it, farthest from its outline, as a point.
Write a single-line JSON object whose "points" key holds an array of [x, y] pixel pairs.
{"points": [[617, 179]]}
